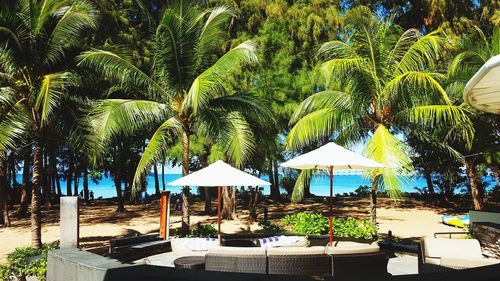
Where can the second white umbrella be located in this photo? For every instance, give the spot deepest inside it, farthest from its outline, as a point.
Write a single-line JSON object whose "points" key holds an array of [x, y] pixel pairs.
{"points": [[329, 157]]}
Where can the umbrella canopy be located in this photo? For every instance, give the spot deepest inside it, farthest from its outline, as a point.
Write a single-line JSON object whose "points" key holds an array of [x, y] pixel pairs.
{"points": [[332, 155], [483, 89], [216, 175], [219, 174]]}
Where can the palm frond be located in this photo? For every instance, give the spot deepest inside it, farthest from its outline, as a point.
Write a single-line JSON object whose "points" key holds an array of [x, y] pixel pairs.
{"points": [[321, 100], [412, 83], [116, 117], [71, 22], [13, 126], [236, 139], [209, 83], [119, 69], [425, 52], [340, 68], [316, 126], [212, 32], [385, 148], [156, 149], [52, 90], [245, 104], [436, 116], [303, 180], [336, 49]]}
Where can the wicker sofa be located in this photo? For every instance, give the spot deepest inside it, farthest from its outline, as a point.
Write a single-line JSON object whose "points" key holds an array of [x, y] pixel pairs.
{"points": [[440, 254], [344, 259], [356, 259]]}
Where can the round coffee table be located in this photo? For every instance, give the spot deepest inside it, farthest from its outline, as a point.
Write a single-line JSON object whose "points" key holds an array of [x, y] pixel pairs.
{"points": [[190, 262]]}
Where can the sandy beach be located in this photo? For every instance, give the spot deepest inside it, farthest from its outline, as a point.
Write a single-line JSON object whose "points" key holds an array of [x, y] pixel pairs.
{"points": [[407, 219]]}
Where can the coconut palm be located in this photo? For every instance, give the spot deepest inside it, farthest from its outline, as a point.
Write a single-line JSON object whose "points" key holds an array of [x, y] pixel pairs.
{"points": [[474, 52], [183, 92], [379, 87], [36, 36]]}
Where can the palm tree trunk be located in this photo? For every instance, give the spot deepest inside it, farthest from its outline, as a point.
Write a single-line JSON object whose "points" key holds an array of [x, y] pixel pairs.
{"points": [[185, 189], [46, 181], [430, 185], [208, 200], [276, 178], [373, 200], [163, 174], [273, 174], [119, 197], [157, 181], [228, 205], [86, 184], [76, 182], [271, 178], [36, 215], [23, 205], [69, 174], [4, 194], [53, 171], [477, 191]]}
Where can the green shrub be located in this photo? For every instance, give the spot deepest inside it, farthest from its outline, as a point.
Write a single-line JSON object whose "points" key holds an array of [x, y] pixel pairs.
{"points": [[205, 230], [270, 228], [307, 223], [27, 261], [200, 230]]}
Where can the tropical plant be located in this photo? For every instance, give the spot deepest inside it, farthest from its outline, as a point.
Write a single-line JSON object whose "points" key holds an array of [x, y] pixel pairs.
{"points": [[27, 261], [474, 51], [34, 79], [380, 86], [313, 223], [182, 94]]}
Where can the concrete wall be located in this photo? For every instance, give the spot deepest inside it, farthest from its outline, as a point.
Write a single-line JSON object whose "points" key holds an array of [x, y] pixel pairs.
{"points": [[477, 216], [76, 265]]}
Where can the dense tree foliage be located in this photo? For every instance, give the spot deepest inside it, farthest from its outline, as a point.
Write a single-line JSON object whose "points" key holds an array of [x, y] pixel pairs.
{"points": [[92, 89]]}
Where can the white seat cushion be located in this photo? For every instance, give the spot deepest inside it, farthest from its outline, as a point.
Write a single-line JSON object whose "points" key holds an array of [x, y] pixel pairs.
{"points": [[348, 247], [454, 248], [181, 249], [240, 251], [467, 263], [296, 251]]}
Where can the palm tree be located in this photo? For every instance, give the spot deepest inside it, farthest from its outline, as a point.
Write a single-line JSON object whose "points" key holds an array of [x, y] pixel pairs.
{"points": [[35, 37], [379, 87], [474, 52], [182, 94]]}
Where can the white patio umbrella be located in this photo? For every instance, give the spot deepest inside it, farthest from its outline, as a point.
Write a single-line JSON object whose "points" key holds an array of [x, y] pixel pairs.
{"points": [[217, 175], [483, 89], [329, 157]]}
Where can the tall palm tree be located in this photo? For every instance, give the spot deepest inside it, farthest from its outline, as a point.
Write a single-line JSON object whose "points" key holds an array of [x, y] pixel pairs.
{"points": [[183, 93], [35, 36], [379, 87], [474, 52]]}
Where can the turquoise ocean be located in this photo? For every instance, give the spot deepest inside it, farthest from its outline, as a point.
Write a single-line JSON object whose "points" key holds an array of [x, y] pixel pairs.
{"points": [[320, 184]]}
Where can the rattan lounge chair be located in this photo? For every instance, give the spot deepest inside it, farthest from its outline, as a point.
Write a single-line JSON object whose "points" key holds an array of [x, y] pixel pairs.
{"points": [[440, 254]]}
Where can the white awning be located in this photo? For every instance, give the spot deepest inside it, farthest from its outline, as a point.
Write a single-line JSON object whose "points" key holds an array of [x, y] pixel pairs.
{"points": [[219, 174], [483, 89]]}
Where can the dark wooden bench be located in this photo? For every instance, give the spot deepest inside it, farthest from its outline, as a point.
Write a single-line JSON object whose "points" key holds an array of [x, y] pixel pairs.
{"points": [[132, 248]]}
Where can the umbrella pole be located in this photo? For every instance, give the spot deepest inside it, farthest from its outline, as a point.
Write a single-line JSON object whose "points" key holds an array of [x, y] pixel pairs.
{"points": [[218, 214], [331, 208]]}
